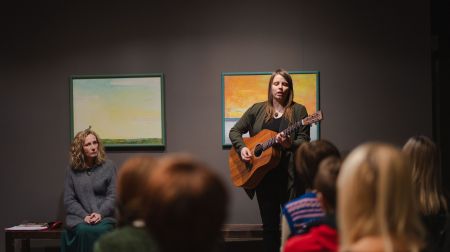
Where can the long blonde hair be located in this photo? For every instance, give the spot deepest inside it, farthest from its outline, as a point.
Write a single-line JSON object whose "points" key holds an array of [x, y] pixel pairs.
{"points": [[288, 112], [375, 198], [77, 158], [423, 155]]}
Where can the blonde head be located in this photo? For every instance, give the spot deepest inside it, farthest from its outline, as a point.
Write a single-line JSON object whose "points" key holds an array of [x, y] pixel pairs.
{"points": [[423, 156], [375, 199], [77, 156]]}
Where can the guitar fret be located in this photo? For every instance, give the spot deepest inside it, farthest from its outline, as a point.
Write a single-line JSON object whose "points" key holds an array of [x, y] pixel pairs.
{"points": [[287, 131], [311, 119]]}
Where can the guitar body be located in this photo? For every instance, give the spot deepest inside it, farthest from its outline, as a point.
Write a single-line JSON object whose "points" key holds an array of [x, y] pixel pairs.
{"points": [[249, 174], [265, 157]]}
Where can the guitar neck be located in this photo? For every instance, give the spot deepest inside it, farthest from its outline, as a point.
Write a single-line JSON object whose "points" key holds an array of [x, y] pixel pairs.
{"points": [[317, 116], [293, 127], [267, 144]]}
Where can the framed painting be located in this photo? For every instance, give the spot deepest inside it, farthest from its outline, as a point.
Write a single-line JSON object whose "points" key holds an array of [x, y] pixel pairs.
{"points": [[240, 90], [125, 110]]}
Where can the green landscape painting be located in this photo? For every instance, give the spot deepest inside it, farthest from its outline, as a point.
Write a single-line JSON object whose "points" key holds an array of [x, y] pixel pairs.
{"points": [[123, 110]]}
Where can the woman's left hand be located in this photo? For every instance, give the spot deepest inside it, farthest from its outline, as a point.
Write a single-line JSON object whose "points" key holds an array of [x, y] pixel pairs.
{"points": [[283, 140], [95, 218]]}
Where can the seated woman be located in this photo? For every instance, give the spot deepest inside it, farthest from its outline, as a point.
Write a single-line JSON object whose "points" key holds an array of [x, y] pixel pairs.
{"points": [[423, 155], [132, 235], [89, 193], [306, 208], [186, 204], [377, 210]]}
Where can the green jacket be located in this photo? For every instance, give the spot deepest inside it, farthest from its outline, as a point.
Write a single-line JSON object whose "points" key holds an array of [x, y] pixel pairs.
{"points": [[252, 121]]}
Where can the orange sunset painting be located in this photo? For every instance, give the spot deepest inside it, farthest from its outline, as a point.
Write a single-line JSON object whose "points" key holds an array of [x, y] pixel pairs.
{"points": [[241, 90]]}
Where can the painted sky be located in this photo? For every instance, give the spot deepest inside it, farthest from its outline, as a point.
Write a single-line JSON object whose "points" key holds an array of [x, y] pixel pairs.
{"points": [[119, 108], [242, 91]]}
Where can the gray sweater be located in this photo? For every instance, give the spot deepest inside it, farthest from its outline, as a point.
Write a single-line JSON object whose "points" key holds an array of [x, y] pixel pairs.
{"points": [[86, 192]]}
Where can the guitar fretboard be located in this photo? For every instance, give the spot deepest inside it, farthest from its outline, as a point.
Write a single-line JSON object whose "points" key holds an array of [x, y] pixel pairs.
{"points": [[317, 116]]}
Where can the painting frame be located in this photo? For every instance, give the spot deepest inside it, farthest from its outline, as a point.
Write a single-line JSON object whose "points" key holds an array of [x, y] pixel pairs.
{"points": [[255, 83], [126, 110]]}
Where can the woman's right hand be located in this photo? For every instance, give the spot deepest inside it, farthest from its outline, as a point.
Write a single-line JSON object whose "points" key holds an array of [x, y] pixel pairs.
{"points": [[246, 154]]}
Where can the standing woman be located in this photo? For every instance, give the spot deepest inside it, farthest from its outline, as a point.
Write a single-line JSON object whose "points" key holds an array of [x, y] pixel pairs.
{"points": [[89, 193], [276, 114]]}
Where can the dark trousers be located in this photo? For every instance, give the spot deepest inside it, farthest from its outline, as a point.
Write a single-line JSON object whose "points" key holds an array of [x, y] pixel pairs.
{"points": [[272, 193]]}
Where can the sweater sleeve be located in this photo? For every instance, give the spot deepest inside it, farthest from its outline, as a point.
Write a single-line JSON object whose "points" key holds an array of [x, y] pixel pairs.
{"points": [[71, 201], [241, 127], [108, 206]]}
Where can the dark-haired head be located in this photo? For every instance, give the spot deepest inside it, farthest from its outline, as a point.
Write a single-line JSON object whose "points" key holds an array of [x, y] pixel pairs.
{"points": [[131, 184], [186, 204], [308, 157], [326, 180]]}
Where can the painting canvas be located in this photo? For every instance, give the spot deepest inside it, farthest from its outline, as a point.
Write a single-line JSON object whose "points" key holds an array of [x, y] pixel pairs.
{"points": [[241, 90], [125, 110]]}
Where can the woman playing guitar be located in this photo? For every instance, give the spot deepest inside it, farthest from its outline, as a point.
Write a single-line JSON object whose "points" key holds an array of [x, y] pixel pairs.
{"points": [[277, 185]]}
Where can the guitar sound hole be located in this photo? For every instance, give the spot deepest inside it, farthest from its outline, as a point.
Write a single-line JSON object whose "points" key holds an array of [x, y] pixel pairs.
{"points": [[258, 150]]}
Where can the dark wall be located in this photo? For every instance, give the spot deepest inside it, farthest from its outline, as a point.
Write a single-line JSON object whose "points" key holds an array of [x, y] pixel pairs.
{"points": [[373, 57], [440, 10]]}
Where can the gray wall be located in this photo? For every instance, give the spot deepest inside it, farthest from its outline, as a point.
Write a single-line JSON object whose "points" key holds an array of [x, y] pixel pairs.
{"points": [[373, 57]]}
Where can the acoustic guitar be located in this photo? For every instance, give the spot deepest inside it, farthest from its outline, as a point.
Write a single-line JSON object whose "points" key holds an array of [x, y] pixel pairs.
{"points": [[264, 156]]}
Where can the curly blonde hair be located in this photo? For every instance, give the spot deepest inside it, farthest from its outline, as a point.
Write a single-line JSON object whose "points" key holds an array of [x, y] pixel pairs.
{"points": [[77, 157]]}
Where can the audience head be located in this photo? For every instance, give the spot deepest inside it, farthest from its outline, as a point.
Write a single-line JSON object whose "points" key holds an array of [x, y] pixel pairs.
{"points": [[78, 155], [423, 155], [308, 157], [131, 184], [325, 182], [375, 199], [186, 205]]}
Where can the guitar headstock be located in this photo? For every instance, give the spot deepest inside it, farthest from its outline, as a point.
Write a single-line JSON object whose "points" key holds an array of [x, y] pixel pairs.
{"points": [[313, 118]]}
